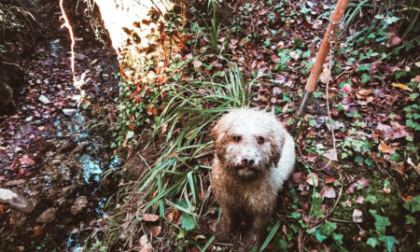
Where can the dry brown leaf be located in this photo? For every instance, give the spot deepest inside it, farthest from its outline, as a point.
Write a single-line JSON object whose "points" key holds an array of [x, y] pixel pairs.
{"points": [[37, 231], [149, 217], [155, 230], [312, 179], [384, 148], [365, 91]]}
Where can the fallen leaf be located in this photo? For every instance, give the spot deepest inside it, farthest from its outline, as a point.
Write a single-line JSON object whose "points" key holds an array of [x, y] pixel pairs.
{"points": [[170, 216], [360, 200], [396, 41], [365, 91], [143, 241], [357, 216], [329, 180], [25, 160], [352, 188], [311, 179], [37, 231], [346, 88], [328, 192], [331, 155], [384, 148], [402, 86], [155, 230], [150, 217]]}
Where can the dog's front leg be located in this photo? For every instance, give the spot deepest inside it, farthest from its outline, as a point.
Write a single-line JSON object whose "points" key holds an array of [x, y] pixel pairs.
{"points": [[254, 236], [225, 226]]}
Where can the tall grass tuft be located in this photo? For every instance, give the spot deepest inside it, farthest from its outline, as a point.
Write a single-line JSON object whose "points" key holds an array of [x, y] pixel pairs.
{"points": [[177, 180]]}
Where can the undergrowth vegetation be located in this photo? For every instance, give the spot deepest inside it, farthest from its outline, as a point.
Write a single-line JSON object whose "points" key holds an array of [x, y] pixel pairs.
{"points": [[358, 194]]}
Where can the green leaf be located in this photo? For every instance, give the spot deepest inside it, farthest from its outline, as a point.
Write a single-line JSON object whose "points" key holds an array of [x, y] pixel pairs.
{"points": [[187, 222], [410, 220], [358, 159], [317, 234], [365, 67], [372, 199], [365, 78], [381, 222], [338, 238], [295, 215], [388, 241], [368, 162], [328, 228], [372, 242]]}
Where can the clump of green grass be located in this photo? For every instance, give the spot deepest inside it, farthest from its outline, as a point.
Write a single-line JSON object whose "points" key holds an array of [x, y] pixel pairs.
{"points": [[176, 180]]}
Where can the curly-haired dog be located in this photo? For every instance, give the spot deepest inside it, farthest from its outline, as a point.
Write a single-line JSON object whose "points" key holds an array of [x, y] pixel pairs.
{"points": [[254, 156]]}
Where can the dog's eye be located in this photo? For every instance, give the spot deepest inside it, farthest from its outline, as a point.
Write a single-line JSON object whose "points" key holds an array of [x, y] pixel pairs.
{"points": [[237, 139], [260, 140]]}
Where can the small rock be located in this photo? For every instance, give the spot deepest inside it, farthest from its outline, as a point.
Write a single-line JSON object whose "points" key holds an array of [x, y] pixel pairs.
{"points": [[44, 99], [78, 205], [47, 216], [16, 201], [68, 190], [13, 183], [69, 111]]}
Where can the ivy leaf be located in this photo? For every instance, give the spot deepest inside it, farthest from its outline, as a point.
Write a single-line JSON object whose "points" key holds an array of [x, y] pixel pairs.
{"points": [[415, 204], [372, 199], [328, 228], [365, 78], [372, 242], [317, 234], [187, 222], [410, 220], [365, 67], [338, 238], [388, 241], [380, 222]]}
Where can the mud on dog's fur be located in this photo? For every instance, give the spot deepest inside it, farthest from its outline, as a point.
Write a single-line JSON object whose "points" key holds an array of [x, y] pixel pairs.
{"points": [[254, 156]]}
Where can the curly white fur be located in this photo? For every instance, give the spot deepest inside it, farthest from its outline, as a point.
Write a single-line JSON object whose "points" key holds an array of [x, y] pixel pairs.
{"points": [[254, 156]]}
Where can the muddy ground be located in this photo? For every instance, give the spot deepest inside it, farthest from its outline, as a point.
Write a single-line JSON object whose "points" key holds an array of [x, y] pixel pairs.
{"points": [[51, 151]]}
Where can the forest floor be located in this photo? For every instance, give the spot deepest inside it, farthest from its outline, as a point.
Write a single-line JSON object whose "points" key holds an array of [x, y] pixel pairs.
{"points": [[52, 152], [356, 183]]}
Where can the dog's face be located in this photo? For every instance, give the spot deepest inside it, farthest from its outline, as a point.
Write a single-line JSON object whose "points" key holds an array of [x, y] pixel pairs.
{"points": [[248, 143]]}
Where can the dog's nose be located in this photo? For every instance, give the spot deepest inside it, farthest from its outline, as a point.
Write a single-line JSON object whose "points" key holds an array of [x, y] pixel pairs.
{"points": [[247, 161]]}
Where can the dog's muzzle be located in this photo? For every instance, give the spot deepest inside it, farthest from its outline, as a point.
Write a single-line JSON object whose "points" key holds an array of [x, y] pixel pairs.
{"points": [[246, 168]]}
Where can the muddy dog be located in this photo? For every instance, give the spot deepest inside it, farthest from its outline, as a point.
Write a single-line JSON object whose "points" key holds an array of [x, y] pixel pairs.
{"points": [[254, 156]]}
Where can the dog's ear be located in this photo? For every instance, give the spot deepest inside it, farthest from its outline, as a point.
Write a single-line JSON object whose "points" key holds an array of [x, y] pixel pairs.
{"points": [[218, 133], [277, 143]]}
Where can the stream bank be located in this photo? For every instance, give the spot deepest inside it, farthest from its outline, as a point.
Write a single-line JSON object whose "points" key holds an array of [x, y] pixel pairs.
{"points": [[54, 150]]}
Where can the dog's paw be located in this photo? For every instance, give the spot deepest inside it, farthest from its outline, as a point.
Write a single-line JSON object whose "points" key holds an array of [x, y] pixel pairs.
{"points": [[222, 236], [246, 247]]}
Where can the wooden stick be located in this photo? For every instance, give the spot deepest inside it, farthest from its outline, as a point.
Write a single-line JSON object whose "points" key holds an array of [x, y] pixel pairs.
{"points": [[325, 46], [320, 59]]}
